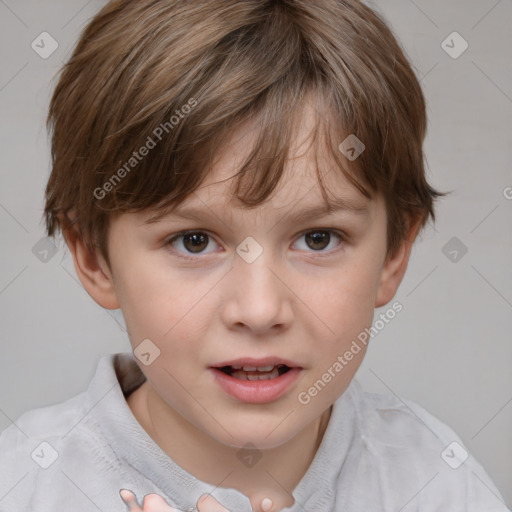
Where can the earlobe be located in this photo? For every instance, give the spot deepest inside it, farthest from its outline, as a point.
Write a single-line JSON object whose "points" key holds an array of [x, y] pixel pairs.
{"points": [[394, 268], [93, 271]]}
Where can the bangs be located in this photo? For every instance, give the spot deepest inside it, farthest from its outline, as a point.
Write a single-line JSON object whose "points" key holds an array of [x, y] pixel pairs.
{"points": [[241, 85], [260, 173], [155, 90]]}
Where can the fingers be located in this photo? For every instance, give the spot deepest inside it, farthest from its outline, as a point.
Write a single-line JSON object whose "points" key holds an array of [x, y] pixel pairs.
{"points": [[207, 503], [155, 503], [130, 500]]}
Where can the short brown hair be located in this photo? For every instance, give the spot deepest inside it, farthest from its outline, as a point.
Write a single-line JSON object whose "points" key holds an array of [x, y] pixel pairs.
{"points": [[213, 65]]}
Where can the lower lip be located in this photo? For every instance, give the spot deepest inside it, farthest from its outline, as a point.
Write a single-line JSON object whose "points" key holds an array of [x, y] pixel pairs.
{"points": [[256, 391]]}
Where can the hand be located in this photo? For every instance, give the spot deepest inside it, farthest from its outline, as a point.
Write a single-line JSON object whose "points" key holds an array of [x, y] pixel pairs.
{"points": [[155, 503]]}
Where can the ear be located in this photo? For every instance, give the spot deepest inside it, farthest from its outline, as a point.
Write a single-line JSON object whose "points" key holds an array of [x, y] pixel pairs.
{"points": [[395, 266], [92, 270]]}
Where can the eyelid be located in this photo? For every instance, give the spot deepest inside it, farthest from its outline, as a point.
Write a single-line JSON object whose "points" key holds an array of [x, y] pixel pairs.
{"points": [[344, 238], [342, 235], [168, 242]]}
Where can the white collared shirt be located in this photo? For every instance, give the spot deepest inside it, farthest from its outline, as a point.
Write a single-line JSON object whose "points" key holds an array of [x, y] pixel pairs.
{"points": [[378, 454]]}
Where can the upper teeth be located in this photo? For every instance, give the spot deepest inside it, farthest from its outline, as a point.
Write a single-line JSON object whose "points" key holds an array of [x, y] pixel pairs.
{"points": [[254, 368]]}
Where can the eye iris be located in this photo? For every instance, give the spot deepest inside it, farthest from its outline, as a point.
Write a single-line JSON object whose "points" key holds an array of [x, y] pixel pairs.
{"points": [[318, 237], [198, 241]]}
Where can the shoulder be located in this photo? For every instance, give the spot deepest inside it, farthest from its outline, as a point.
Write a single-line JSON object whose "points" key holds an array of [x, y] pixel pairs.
{"points": [[57, 457], [416, 460], [30, 446]]}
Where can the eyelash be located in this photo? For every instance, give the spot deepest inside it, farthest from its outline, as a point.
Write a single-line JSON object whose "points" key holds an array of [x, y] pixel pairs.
{"points": [[342, 237]]}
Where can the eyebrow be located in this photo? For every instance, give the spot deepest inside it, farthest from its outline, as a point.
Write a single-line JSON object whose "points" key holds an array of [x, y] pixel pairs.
{"points": [[337, 204], [358, 208]]}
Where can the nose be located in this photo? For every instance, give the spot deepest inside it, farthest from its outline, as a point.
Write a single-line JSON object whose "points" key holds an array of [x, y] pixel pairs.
{"points": [[258, 296]]}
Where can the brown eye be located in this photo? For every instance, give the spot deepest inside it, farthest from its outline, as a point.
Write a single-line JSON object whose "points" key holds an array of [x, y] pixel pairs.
{"points": [[318, 239], [188, 243], [321, 241], [195, 242]]}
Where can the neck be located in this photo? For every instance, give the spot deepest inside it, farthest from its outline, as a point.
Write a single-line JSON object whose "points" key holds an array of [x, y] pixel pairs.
{"points": [[274, 476]]}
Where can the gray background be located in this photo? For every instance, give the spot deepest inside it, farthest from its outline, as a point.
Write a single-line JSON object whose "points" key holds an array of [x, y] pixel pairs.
{"points": [[449, 349]]}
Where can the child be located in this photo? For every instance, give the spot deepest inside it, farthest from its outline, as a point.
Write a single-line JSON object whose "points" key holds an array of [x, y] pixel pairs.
{"points": [[244, 180]]}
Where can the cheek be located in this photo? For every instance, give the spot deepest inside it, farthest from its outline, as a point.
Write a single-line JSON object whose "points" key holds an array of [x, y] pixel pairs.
{"points": [[347, 302], [346, 306], [163, 304], [149, 300]]}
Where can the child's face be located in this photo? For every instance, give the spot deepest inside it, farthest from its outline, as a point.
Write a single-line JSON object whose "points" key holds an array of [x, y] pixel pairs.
{"points": [[304, 299]]}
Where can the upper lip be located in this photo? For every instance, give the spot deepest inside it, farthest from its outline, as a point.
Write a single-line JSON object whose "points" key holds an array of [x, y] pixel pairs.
{"points": [[251, 361]]}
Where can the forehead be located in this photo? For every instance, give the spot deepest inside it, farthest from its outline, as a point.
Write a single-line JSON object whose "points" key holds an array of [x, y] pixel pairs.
{"points": [[298, 192], [308, 157]]}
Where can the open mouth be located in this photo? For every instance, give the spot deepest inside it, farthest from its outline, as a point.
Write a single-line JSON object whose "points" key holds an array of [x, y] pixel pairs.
{"points": [[255, 373], [256, 381]]}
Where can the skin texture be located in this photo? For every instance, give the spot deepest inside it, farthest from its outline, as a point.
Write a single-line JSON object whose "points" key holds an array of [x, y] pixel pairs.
{"points": [[297, 300]]}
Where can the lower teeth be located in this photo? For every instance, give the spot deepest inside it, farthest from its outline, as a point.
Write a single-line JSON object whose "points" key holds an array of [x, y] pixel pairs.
{"points": [[255, 375]]}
